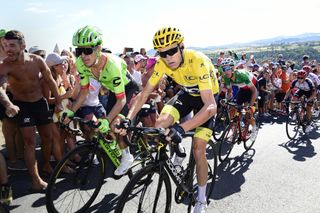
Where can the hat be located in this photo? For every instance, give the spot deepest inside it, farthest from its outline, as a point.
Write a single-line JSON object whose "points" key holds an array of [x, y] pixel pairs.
{"points": [[36, 49], [2, 32], [305, 57], [139, 57], [150, 62], [55, 59]]}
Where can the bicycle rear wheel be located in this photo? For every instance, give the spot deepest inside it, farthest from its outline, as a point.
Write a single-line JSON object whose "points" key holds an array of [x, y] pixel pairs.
{"points": [[228, 140], [153, 194], [75, 191], [292, 125]]}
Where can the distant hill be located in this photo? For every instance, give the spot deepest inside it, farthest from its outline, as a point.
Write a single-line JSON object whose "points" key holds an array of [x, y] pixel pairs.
{"points": [[280, 40]]}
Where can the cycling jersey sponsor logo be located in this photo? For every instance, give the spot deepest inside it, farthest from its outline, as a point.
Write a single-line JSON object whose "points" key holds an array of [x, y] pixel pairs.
{"points": [[26, 120], [116, 81], [190, 78], [155, 73], [174, 171], [192, 90], [207, 76]]}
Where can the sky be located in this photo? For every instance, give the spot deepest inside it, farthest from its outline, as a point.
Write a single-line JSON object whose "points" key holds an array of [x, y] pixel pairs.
{"points": [[132, 23]]}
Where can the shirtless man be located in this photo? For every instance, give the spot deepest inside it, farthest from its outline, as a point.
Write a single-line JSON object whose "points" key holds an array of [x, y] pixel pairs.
{"points": [[23, 73]]}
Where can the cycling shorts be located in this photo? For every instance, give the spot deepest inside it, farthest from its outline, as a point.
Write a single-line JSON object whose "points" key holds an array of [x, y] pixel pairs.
{"points": [[181, 105]]}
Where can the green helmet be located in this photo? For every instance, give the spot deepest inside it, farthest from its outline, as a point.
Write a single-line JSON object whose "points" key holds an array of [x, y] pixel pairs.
{"points": [[2, 32], [87, 36]]}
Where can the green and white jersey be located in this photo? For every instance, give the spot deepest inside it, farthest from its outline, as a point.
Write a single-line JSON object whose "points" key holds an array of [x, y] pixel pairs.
{"points": [[113, 76], [243, 78]]}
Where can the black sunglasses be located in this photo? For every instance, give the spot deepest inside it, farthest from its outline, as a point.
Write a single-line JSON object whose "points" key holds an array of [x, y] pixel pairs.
{"points": [[169, 52], [85, 50], [300, 77]]}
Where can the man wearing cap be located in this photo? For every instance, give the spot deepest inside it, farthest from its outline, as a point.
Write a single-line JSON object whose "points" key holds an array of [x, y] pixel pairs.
{"points": [[37, 51], [31, 109], [140, 63]]}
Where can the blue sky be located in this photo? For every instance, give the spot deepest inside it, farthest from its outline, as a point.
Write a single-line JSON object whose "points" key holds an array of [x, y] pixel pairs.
{"points": [[132, 23]]}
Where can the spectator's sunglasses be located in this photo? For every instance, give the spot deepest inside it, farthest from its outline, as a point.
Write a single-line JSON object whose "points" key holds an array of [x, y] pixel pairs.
{"points": [[85, 50], [169, 52]]}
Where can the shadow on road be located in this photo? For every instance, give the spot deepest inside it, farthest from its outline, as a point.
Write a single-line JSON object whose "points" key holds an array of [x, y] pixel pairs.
{"points": [[231, 175], [301, 148]]}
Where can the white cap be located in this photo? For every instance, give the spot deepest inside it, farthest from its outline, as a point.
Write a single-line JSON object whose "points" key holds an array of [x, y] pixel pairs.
{"points": [[36, 49], [55, 59], [139, 57]]}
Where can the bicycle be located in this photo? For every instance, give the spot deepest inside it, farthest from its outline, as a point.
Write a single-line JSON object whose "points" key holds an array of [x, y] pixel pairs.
{"points": [[154, 193], [297, 118], [75, 192], [221, 121], [238, 131]]}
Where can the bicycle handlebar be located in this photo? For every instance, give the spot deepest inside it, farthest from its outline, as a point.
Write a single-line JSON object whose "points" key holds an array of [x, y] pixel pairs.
{"points": [[78, 132]]}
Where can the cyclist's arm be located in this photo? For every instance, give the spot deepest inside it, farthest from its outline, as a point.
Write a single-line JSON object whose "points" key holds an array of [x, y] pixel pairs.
{"points": [[139, 100], [116, 109], [47, 76], [208, 110]]}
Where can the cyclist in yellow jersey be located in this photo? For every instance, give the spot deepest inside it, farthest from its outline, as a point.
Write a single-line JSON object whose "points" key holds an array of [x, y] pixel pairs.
{"points": [[197, 77]]}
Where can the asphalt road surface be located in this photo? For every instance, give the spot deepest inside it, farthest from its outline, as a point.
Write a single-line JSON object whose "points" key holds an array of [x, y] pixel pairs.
{"points": [[277, 175]]}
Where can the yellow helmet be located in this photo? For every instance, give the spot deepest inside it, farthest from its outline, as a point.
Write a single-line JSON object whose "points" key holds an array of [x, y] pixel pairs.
{"points": [[166, 36]]}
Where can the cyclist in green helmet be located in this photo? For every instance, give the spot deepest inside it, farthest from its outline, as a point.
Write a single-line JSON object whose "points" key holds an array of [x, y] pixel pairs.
{"points": [[111, 72]]}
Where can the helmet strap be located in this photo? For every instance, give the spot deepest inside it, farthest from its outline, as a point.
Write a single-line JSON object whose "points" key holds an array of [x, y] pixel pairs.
{"points": [[181, 52]]}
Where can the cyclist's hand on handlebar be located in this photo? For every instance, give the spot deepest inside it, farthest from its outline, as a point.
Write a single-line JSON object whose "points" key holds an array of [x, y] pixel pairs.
{"points": [[65, 116], [175, 134], [103, 125], [252, 109], [122, 127]]}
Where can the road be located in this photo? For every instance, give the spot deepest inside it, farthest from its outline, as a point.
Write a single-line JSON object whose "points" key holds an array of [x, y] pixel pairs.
{"points": [[277, 175]]}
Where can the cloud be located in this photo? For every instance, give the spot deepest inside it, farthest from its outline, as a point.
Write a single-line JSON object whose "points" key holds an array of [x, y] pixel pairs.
{"points": [[38, 8], [82, 13]]}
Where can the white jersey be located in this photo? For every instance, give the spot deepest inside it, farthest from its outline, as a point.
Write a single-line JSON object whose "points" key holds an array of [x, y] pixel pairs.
{"points": [[314, 78], [93, 96]]}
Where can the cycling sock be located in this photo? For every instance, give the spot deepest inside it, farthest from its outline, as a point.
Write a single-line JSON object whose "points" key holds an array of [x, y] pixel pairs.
{"points": [[125, 152], [202, 193]]}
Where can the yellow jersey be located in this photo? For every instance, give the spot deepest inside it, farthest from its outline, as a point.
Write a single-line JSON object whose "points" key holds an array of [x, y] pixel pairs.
{"points": [[196, 74]]}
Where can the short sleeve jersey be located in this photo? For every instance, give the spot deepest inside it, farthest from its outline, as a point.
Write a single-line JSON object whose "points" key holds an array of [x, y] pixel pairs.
{"points": [[196, 74], [243, 78], [113, 76]]}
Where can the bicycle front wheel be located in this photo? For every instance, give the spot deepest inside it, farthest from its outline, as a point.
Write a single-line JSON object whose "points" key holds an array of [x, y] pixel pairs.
{"points": [[220, 124], [76, 190], [228, 140], [212, 167], [252, 133], [153, 194], [292, 125]]}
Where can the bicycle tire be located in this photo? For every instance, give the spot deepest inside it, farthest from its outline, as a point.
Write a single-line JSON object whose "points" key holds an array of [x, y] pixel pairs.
{"points": [[126, 201], [252, 135], [86, 178], [220, 124], [212, 168], [228, 140], [292, 125], [212, 160]]}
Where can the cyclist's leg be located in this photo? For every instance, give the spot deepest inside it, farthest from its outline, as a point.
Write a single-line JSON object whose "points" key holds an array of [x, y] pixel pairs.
{"points": [[200, 139]]}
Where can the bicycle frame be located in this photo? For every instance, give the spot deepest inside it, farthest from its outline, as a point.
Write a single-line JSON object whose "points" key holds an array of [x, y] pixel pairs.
{"points": [[178, 177], [242, 131]]}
